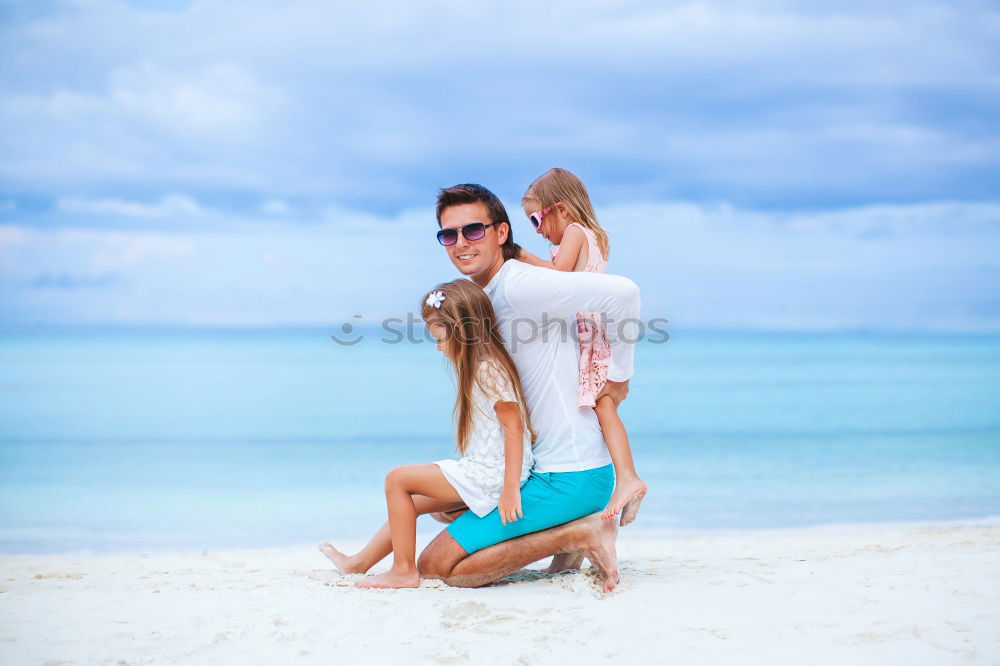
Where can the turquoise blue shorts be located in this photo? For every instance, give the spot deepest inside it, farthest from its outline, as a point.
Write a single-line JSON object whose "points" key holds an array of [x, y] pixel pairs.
{"points": [[547, 500]]}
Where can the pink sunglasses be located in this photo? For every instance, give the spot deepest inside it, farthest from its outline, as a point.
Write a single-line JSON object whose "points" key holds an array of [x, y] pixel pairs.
{"points": [[536, 218]]}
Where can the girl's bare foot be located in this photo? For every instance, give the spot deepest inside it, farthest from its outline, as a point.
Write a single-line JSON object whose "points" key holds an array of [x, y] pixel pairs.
{"points": [[565, 562], [392, 579], [345, 564], [631, 509], [625, 500]]}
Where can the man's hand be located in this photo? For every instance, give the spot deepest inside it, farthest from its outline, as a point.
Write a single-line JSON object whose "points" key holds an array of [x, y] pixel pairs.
{"points": [[617, 391], [510, 505]]}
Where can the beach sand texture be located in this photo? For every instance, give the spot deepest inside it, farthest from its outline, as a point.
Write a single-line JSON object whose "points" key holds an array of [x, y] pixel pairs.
{"points": [[836, 595]]}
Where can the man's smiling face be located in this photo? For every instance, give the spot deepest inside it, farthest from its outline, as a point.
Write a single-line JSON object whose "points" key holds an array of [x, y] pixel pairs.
{"points": [[479, 259]]}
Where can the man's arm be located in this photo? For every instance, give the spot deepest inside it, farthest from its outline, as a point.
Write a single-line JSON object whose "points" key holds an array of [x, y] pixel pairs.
{"points": [[540, 295]]}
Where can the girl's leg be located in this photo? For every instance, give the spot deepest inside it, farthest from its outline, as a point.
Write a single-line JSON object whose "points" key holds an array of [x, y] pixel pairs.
{"points": [[448, 517], [401, 484], [380, 545], [629, 488]]}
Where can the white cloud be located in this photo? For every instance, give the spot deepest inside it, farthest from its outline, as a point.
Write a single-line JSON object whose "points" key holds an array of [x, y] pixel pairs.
{"points": [[219, 98], [174, 204], [791, 102], [279, 162], [275, 207], [929, 265]]}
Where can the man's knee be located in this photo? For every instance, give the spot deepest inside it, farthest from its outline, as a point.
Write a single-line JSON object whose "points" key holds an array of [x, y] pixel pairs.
{"points": [[440, 556]]}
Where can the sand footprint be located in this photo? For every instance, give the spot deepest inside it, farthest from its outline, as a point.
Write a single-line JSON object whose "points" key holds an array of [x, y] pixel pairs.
{"points": [[62, 576], [466, 614]]}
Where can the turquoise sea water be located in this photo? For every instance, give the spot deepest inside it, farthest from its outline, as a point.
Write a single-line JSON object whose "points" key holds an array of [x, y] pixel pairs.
{"points": [[141, 439]]}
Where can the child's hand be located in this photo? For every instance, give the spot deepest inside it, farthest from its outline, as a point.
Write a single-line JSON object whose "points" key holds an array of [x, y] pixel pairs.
{"points": [[510, 505]]}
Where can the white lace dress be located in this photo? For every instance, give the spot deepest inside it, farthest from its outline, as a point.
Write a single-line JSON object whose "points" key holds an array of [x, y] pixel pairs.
{"points": [[478, 475]]}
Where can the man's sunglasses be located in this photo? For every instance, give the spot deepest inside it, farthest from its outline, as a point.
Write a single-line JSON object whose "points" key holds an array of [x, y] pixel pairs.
{"points": [[473, 232]]}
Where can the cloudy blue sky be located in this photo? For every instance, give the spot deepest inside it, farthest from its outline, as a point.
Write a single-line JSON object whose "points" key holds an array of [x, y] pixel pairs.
{"points": [[796, 165]]}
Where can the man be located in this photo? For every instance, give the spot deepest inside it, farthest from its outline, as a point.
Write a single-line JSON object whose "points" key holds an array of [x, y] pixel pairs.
{"points": [[573, 478]]}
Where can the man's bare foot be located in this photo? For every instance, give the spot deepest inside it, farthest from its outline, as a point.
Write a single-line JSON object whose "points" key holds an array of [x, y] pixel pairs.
{"points": [[625, 500], [565, 562], [346, 564], [597, 542], [392, 579]]}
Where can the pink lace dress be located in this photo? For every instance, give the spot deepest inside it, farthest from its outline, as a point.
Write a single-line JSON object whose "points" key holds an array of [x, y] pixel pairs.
{"points": [[595, 351]]}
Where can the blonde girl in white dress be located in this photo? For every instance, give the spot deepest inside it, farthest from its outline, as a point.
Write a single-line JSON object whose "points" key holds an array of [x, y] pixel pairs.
{"points": [[494, 438]]}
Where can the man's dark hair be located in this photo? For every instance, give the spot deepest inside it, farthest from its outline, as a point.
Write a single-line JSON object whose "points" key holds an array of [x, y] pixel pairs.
{"points": [[471, 193]]}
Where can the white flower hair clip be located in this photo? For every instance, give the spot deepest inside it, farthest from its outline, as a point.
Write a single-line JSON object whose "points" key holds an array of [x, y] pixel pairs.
{"points": [[434, 299]]}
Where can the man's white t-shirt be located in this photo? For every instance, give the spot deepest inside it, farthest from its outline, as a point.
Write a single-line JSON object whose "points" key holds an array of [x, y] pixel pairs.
{"points": [[536, 311]]}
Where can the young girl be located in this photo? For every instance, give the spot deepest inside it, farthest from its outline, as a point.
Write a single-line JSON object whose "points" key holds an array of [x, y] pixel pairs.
{"points": [[559, 207], [494, 438]]}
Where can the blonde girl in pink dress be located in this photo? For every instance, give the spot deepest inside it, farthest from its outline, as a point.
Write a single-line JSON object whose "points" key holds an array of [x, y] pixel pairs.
{"points": [[559, 208]]}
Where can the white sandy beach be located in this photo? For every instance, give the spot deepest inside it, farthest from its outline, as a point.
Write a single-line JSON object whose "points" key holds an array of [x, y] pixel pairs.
{"points": [[835, 595]]}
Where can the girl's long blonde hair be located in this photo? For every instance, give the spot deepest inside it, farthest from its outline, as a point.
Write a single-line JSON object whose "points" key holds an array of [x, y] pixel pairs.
{"points": [[559, 185], [472, 336]]}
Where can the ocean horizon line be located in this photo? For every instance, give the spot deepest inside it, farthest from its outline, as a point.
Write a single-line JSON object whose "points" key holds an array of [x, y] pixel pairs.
{"points": [[689, 331], [391, 437]]}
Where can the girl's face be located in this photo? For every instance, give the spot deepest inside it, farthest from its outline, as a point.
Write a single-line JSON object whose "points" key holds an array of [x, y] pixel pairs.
{"points": [[554, 222], [440, 333]]}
